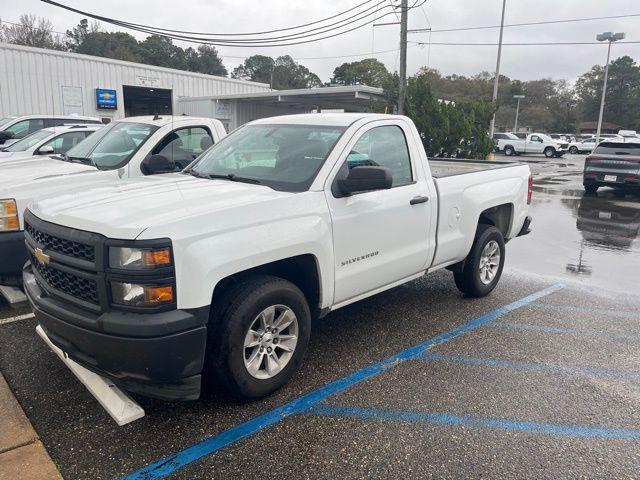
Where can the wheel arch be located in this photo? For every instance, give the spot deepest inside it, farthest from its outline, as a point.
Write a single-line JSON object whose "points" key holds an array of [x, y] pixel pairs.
{"points": [[301, 270]]}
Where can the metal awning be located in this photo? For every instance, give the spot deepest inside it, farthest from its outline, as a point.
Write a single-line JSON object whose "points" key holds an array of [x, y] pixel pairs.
{"points": [[353, 97]]}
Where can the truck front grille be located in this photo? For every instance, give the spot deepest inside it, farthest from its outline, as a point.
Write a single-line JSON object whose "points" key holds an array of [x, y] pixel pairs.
{"points": [[67, 283], [61, 245]]}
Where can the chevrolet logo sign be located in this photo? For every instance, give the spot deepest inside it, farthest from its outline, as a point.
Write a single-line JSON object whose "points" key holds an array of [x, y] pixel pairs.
{"points": [[42, 257]]}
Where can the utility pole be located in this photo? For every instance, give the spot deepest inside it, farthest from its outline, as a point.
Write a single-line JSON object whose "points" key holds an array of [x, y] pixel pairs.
{"points": [[402, 90], [497, 79]]}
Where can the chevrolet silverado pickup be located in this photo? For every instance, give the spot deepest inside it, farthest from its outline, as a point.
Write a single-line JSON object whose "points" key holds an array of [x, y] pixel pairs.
{"points": [[214, 273], [533, 143], [135, 146]]}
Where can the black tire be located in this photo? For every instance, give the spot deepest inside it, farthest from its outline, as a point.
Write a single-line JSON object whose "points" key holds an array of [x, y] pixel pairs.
{"points": [[230, 322], [549, 152], [573, 150], [591, 188], [468, 278], [509, 151]]}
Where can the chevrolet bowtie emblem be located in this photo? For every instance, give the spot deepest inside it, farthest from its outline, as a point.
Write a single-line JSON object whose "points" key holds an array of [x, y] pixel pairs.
{"points": [[42, 257]]}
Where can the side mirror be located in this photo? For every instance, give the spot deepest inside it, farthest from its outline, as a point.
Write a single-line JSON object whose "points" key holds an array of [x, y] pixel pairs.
{"points": [[157, 164], [45, 150], [4, 136], [365, 178]]}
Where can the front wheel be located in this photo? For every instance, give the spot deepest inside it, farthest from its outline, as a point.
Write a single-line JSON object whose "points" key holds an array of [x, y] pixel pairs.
{"points": [[259, 336], [549, 152], [483, 266]]}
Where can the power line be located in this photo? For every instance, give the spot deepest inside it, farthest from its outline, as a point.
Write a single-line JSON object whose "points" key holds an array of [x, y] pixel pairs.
{"points": [[66, 7], [538, 44], [546, 22], [256, 42]]}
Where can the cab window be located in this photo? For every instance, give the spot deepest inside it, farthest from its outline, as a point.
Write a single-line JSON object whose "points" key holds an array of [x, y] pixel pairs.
{"points": [[64, 142], [25, 127], [384, 147], [184, 145]]}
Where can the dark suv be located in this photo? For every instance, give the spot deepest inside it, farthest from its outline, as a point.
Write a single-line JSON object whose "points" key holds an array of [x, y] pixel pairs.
{"points": [[612, 164]]}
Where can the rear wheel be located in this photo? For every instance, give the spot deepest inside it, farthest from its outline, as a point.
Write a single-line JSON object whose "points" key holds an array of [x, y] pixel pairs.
{"points": [[259, 337], [483, 266], [573, 150], [509, 151], [549, 152]]}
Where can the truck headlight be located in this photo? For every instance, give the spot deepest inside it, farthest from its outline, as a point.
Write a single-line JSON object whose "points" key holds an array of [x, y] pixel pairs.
{"points": [[139, 258], [136, 295], [9, 221]]}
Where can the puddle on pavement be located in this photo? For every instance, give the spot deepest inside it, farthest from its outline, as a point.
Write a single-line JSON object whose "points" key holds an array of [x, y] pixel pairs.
{"points": [[590, 239]]}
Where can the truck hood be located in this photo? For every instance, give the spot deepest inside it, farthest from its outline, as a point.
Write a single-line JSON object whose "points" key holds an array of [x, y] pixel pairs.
{"points": [[126, 208], [26, 170]]}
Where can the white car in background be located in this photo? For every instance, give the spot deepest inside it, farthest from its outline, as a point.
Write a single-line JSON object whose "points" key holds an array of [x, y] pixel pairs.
{"points": [[582, 146], [13, 129], [48, 141], [536, 143]]}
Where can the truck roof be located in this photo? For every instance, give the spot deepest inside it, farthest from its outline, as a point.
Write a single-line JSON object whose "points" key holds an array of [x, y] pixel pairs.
{"points": [[329, 119], [164, 119]]}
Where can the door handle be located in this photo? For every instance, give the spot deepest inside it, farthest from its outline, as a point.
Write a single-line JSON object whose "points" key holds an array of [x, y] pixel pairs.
{"points": [[419, 199]]}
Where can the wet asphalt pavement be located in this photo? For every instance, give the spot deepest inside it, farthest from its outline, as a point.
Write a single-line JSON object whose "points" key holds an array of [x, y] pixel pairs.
{"points": [[509, 386]]}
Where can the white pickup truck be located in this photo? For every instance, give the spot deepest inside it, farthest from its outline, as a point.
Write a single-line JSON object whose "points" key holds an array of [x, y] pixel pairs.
{"points": [[534, 143], [133, 147], [157, 282]]}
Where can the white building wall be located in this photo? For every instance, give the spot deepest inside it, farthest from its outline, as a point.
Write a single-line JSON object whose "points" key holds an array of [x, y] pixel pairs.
{"points": [[31, 81]]}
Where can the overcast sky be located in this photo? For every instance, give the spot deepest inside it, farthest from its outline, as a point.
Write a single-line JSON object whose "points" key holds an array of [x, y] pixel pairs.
{"points": [[521, 62]]}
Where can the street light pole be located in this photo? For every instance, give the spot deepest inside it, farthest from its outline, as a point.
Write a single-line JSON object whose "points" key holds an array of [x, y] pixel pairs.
{"points": [[606, 37], [515, 126], [497, 79]]}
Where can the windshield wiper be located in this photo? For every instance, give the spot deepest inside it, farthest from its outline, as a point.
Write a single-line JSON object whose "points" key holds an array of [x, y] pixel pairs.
{"points": [[229, 176], [82, 160]]}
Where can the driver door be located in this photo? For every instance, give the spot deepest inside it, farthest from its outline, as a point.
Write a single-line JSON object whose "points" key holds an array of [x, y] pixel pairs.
{"points": [[379, 237]]}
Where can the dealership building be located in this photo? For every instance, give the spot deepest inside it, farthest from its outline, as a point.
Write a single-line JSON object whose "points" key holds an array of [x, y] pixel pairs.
{"points": [[48, 82]]}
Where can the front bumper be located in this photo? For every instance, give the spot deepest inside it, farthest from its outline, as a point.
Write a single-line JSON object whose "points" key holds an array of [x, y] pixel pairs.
{"points": [[13, 256], [166, 366]]}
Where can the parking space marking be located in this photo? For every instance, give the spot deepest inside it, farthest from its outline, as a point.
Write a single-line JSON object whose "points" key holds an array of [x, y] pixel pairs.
{"points": [[534, 367], [171, 463], [571, 331], [450, 419], [600, 311], [26, 316]]}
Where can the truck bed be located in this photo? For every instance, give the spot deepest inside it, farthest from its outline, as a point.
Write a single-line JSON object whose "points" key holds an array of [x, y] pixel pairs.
{"points": [[441, 168]]}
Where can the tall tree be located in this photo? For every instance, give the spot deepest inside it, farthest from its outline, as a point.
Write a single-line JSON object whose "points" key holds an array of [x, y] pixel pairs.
{"points": [[32, 32], [282, 73], [369, 71], [257, 68], [117, 45], [623, 93], [208, 61]]}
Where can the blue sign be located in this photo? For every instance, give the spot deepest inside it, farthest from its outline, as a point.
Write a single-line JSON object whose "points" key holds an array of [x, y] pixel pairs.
{"points": [[106, 99]]}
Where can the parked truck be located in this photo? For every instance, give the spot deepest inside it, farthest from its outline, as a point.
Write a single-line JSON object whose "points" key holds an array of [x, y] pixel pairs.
{"points": [[534, 143], [132, 147], [156, 283]]}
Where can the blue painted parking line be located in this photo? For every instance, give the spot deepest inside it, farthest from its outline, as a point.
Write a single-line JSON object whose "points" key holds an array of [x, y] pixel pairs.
{"points": [[534, 367], [598, 311], [439, 418], [571, 331], [173, 462]]}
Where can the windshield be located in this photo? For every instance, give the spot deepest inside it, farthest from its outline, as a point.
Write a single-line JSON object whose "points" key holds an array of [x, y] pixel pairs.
{"points": [[111, 147], [28, 141], [283, 157], [618, 148]]}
